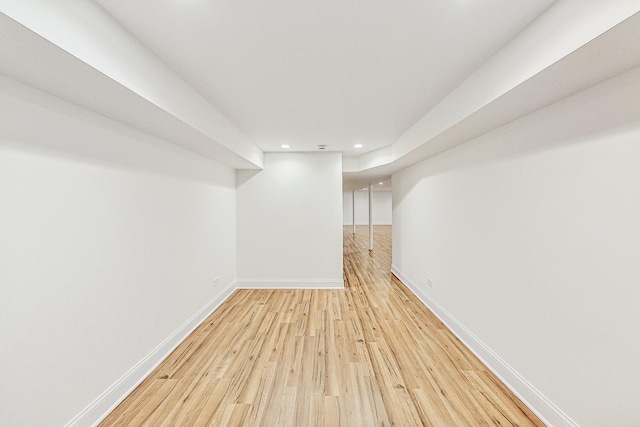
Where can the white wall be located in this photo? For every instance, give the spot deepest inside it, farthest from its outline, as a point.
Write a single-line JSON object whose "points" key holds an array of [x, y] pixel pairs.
{"points": [[381, 207], [289, 221], [531, 237], [109, 242]]}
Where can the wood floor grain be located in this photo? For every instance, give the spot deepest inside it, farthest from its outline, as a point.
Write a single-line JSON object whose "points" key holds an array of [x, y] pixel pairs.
{"points": [[369, 355]]}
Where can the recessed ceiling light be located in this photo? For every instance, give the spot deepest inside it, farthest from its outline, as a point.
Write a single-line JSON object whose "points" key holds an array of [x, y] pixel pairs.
{"points": [[380, 183], [285, 146], [357, 146]]}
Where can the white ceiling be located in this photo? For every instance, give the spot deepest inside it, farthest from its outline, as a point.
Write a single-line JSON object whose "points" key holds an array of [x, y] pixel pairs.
{"points": [[332, 72]]}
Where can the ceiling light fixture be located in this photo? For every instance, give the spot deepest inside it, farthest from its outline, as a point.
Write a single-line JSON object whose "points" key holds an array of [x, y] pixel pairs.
{"points": [[357, 146], [285, 146]]}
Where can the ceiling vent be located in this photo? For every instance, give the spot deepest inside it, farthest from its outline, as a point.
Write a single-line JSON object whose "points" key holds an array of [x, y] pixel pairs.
{"points": [[322, 147]]}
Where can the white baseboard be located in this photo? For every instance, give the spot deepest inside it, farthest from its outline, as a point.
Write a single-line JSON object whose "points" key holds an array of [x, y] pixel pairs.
{"points": [[288, 284], [114, 395], [549, 413], [366, 223]]}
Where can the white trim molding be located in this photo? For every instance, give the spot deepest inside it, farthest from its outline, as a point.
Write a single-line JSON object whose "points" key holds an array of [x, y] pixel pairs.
{"points": [[289, 284], [366, 223], [549, 413], [114, 395]]}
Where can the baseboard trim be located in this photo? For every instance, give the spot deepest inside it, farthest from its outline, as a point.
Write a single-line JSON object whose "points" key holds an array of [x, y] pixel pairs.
{"points": [[93, 414], [549, 413], [288, 284], [366, 223]]}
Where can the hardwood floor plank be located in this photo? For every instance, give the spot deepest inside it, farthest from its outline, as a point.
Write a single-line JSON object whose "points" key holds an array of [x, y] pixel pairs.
{"points": [[369, 355]]}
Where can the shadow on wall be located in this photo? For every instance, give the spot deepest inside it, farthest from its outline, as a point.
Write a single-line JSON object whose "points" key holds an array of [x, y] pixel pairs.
{"points": [[607, 108], [38, 123], [244, 175]]}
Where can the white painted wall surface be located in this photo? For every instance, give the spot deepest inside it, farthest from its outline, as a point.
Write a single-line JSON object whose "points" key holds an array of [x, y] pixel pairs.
{"points": [[531, 236], [289, 221], [109, 241], [381, 207]]}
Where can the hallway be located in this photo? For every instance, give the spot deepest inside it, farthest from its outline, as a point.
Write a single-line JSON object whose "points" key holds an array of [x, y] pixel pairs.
{"points": [[371, 354]]}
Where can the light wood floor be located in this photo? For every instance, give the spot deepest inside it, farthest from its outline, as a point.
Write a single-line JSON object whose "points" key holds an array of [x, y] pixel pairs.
{"points": [[369, 355]]}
